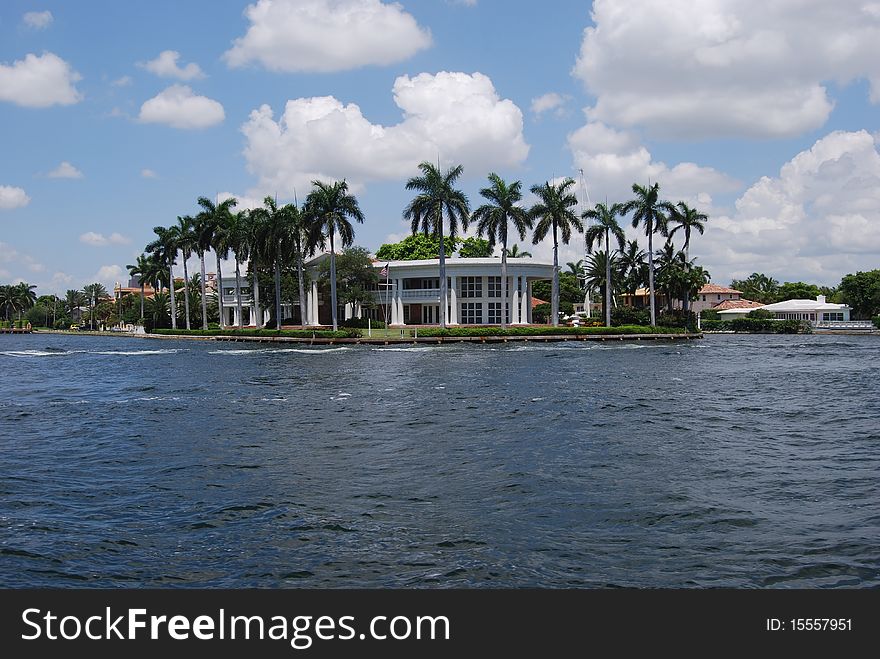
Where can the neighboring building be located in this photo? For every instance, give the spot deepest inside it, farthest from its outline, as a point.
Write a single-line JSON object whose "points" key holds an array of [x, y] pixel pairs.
{"points": [[709, 297], [410, 294], [746, 305], [816, 311], [133, 288]]}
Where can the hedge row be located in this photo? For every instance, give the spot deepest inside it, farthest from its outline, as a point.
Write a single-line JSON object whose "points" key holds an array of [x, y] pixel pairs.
{"points": [[876, 320], [758, 326], [546, 331], [298, 334]]}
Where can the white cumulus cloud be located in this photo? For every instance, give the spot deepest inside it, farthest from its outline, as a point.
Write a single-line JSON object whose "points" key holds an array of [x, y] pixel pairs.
{"points": [[817, 220], [39, 81], [12, 197], [166, 66], [456, 115], [724, 68], [548, 102], [179, 107], [109, 275], [100, 240], [326, 35], [38, 20], [65, 170], [148, 173]]}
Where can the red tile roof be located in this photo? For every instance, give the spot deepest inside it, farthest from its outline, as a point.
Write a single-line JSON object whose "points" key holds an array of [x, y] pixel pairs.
{"points": [[537, 301], [715, 288], [736, 304]]}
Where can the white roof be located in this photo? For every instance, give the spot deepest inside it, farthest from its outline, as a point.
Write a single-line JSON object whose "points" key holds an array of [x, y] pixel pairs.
{"points": [[803, 305]]}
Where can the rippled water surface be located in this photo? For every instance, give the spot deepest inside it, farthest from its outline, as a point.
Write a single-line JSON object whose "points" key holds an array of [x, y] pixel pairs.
{"points": [[744, 461]]}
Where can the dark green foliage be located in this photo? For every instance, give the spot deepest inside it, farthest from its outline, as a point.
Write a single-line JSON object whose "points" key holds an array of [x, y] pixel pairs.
{"points": [[475, 248], [356, 277], [678, 318], [416, 247], [541, 313], [758, 326], [545, 331], [761, 314], [861, 291], [300, 334], [569, 289], [361, 323], [630, 316], [709, 314]]}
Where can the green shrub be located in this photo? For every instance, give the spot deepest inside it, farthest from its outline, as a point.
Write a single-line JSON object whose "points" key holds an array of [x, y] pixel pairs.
{"points": [[545, 331], [769, 326], [630, 316], [760, 314], [715, 325], [347, 333], [361, 323], [876, 320], [709, 314], [678, 318]]}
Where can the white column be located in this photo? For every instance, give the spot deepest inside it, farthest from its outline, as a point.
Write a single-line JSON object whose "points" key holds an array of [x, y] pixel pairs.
{"points": [[313, 308], [235, 319], [395, 308], [347, 311], [453, 301], [514, 301], [525, 310], [400, 301]]}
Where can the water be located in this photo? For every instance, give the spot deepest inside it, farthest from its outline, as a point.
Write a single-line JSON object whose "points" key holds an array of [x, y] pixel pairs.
{"points": [[740, 461]]}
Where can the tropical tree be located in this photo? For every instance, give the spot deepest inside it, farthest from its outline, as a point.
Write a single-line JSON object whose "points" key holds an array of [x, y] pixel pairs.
{"points": [[670, 264], [93, 293], [515, 253], [73, 302], [330, 207], [494, 218], [240, 246], [164, 249], [416, 247], [272, 242], [553, 212], [757, 287], [139, 269], [21, 297], [633, 268], [437, 202], [651, 213], [604, 226], [210, 223], [686, 219], [575, 268], [304, 237], [187, 243], [6, 300], [602, 273]]}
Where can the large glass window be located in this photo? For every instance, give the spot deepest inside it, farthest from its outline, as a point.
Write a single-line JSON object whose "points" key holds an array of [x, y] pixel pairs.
{"points": [[472, 313], [470, 287], [495, 313], [493, 286]]}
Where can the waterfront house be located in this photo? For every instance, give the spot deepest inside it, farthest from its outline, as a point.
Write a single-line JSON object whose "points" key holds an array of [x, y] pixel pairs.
{"points": [[408, 293], [710, 296], [816, 311]]}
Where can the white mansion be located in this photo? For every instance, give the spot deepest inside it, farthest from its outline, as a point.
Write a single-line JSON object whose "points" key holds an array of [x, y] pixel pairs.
{"points": [[408, 293]]}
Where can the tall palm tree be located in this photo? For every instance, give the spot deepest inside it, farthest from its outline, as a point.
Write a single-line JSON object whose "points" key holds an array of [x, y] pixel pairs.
{"points": [[437, 197], [6, 300], [139, 270], [651, 212], [93, 293], [239, 243], [331, 207], [187, 242], [686, 219], [23, 297], [670, 266], [210, 221], [575, 268], [515, 253], [596, 272], [164, 247], [256, 256], [493, 219], [605, 225], [305, 237], [272, 243], [553, 213]]}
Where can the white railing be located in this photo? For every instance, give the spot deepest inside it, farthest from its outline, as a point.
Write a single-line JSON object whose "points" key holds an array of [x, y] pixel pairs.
{"points": [[845, 324], [430, 294]]}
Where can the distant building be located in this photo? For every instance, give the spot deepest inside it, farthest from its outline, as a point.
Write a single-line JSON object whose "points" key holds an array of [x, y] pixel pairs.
{"points": [[710, 296], [815, 311]]}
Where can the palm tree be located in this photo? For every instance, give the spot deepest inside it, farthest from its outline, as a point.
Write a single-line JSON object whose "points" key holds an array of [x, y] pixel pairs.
{"points": [[22, 297], [329, 206], [187, 242], [575, 268], [605, 226], [633, 268], [73, 302], [239, 242], [164, 248], [210, 222], [305, 238], [670, 263], [256, 257], [649, 211], [553, 213], [93, 293], [271, 243], [139, 270], [493, 218], [686, 218], [438, 197], [596, 272], [515, 253], [6, 300]]}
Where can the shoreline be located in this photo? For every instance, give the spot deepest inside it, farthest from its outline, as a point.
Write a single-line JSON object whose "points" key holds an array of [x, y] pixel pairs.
{"points": [[395, 340]]}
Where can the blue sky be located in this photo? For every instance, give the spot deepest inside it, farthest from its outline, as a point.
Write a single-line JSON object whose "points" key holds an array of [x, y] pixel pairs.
{"points": [[761, 116]]}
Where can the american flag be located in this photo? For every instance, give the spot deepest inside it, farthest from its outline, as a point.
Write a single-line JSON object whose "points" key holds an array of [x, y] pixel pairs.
{"points": [[384, 271]]}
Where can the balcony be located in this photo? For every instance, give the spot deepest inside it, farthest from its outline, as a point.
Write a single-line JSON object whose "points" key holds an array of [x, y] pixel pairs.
{"points": [[411, 295]]}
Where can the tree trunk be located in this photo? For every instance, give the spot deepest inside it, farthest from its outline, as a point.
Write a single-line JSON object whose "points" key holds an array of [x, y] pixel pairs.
{"points": [[303, 319], [186, 291], [204, 293], [333, 280], [554, 292], [607, 281], [444, 293], [258, 313], [220, 292], [651, 274], [505, 303], [238, 292], [171, 288], [142, 302], [277, 292]]}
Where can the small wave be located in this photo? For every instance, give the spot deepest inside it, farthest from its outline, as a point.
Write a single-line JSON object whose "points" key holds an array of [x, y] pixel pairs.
{"points": [[125, 353], [410, 349], [32, 353], [263, 351]]}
